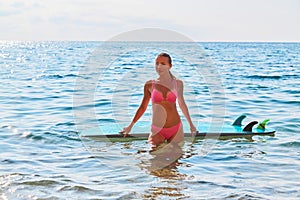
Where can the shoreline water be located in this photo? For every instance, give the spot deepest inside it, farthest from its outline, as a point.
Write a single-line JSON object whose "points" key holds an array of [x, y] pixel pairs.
{"points": [[42, 155]]}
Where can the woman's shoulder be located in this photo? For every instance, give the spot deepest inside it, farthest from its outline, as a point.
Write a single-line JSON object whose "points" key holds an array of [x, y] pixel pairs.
{"points": [[178, 81], [148, 83]]}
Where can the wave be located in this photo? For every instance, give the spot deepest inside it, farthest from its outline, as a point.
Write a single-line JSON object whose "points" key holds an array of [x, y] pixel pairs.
{"points": [[276, 77], [293, 144], [58, 76]]}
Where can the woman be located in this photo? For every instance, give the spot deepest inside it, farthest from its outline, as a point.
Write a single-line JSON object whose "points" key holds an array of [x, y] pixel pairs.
{"points": [[166, 123]]}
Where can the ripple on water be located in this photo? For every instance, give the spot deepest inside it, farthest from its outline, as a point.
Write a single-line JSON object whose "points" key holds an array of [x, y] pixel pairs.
{"points": [[42, 156]]}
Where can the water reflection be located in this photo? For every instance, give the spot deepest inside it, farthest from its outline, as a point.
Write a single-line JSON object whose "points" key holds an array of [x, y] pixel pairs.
{"points": [[158, 192], [163, 162]]}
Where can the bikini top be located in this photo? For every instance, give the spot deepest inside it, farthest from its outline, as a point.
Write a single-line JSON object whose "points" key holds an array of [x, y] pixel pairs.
{"points": [[157, 96]]}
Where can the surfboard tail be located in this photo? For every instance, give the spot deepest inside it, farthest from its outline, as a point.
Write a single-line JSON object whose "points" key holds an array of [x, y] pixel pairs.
{"points": [[238, 121], [262, 125], [249, 127]]}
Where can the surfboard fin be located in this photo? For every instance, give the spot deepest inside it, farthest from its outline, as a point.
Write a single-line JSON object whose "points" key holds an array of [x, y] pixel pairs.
{"points": [[262, 125], [249, 127], [238, 121]]}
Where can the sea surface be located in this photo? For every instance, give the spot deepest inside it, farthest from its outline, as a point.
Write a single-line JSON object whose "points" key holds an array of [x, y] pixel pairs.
{"points": [[50, 92]]}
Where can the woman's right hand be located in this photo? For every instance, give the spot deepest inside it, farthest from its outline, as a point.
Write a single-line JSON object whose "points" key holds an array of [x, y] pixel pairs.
{"points": [[126, 131]]}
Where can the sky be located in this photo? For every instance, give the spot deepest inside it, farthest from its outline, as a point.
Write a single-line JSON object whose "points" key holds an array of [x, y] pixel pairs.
{"points": [[200, 20]]}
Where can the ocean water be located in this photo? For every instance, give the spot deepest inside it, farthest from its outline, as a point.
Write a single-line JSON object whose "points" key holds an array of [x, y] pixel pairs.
{"points": [[52, 91]]}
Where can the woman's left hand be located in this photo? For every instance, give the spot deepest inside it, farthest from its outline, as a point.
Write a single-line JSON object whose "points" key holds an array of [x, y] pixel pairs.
{"points": [[193, 129]]}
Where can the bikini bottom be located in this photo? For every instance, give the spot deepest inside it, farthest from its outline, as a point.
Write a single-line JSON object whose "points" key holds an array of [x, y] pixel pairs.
{"points": [[166, 132]]}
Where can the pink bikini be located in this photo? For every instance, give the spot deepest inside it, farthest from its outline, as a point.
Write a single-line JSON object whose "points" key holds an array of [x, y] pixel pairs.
{"points": [[157, 96], [171, 97]]}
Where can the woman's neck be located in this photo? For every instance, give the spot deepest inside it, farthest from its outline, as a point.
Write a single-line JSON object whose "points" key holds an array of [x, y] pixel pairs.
{"points": [[165, 78]]}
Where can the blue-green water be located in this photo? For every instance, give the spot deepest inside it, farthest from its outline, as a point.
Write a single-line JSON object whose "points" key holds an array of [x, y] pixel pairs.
{"points": [[48, 94]]}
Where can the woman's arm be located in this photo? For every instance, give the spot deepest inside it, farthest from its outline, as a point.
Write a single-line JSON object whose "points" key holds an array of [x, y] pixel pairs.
{"points": [[141, 110], [184, 107]]}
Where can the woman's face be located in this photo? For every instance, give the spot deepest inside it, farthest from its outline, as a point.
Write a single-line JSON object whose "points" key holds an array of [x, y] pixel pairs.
{"points": [[162, 65]]}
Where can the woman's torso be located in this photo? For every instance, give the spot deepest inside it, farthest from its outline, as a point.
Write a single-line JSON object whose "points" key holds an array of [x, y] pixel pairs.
{"points": [[164, 111]]}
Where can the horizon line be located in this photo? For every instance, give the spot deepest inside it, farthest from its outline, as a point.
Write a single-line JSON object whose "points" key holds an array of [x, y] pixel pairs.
{"points": [[171, 41]]}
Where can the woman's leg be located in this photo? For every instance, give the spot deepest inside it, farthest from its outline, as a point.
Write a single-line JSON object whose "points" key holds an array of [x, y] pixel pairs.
{"points": [[155, 139]]}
